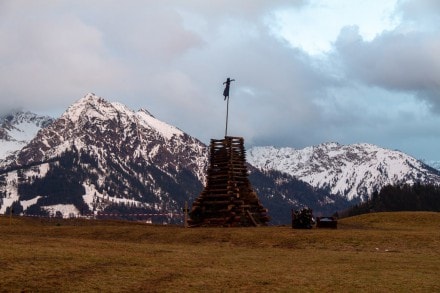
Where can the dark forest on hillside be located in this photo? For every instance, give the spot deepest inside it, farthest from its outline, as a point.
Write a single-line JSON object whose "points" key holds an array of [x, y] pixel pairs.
{"points": [[391, 198]]}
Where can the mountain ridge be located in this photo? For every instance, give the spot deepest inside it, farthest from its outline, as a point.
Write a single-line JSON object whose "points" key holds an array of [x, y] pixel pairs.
{"points": [[354, 171]]}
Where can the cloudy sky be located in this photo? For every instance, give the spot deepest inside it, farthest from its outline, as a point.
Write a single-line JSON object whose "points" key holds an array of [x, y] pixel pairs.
{"points": [[306, 71]]}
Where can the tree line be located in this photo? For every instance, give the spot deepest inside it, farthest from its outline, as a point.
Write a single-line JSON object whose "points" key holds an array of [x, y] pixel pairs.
{"points": [[405, 197]]}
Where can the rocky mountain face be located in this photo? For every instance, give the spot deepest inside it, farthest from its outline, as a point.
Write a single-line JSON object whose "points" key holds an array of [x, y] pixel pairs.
{"points": [[353, 171], [101, 157], [17, 128]]}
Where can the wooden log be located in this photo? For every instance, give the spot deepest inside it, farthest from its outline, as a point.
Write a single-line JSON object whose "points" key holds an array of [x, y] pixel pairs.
{"points": [[216, 202], [252, 218]]}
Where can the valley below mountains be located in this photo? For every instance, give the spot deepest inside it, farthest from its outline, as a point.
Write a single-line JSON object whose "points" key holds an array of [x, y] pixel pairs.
{"points": [[103, 158]]}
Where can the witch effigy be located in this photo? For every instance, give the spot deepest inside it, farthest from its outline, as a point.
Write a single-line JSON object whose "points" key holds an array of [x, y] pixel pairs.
{"points": [[226, 90]]}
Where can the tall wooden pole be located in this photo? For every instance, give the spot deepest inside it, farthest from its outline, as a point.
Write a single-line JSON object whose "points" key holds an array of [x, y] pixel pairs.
{"points": [[227, 113], [226, 95]]}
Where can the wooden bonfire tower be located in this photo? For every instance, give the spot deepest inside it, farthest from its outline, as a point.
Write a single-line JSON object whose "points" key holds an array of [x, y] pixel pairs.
{"points": [[228, 199]]}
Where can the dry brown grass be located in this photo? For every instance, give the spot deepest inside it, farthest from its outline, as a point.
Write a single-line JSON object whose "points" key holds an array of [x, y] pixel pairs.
{"points": [[398, 252]]}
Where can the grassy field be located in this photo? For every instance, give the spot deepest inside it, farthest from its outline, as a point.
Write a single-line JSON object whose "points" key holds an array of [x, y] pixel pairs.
{"points": [[385, 252]]}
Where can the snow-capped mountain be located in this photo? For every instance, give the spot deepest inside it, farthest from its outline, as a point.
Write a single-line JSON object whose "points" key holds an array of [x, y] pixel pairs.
{"points": [[112, 129], [353, 171], [101, 157], [17, 128]]}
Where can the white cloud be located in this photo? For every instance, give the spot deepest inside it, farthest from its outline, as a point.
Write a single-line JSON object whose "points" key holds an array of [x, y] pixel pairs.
{"points": [[395, 61], [316, 26], [419, 15]]}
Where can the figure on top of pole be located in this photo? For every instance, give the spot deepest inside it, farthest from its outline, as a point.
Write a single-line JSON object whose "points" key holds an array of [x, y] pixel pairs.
{"points": [[226, 91], [226, 95]]}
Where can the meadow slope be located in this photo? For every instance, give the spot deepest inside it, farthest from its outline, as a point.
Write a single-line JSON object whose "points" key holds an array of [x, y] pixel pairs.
{"points": [[383, 252]]}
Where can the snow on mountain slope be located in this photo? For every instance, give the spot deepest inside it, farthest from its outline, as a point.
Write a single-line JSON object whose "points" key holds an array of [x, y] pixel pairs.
{"points": [[17, 129], [349, 170], [99, 155], [92, 117], [96, 108]]}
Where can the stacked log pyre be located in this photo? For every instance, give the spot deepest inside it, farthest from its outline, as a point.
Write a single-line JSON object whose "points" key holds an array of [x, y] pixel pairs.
{"points": [[228, 199]]}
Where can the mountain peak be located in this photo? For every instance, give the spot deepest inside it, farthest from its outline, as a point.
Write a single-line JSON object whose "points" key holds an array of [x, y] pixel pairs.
{"points": [[90, 99], [330, 145], [84, 107], [92, 108], [96, 123]]}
